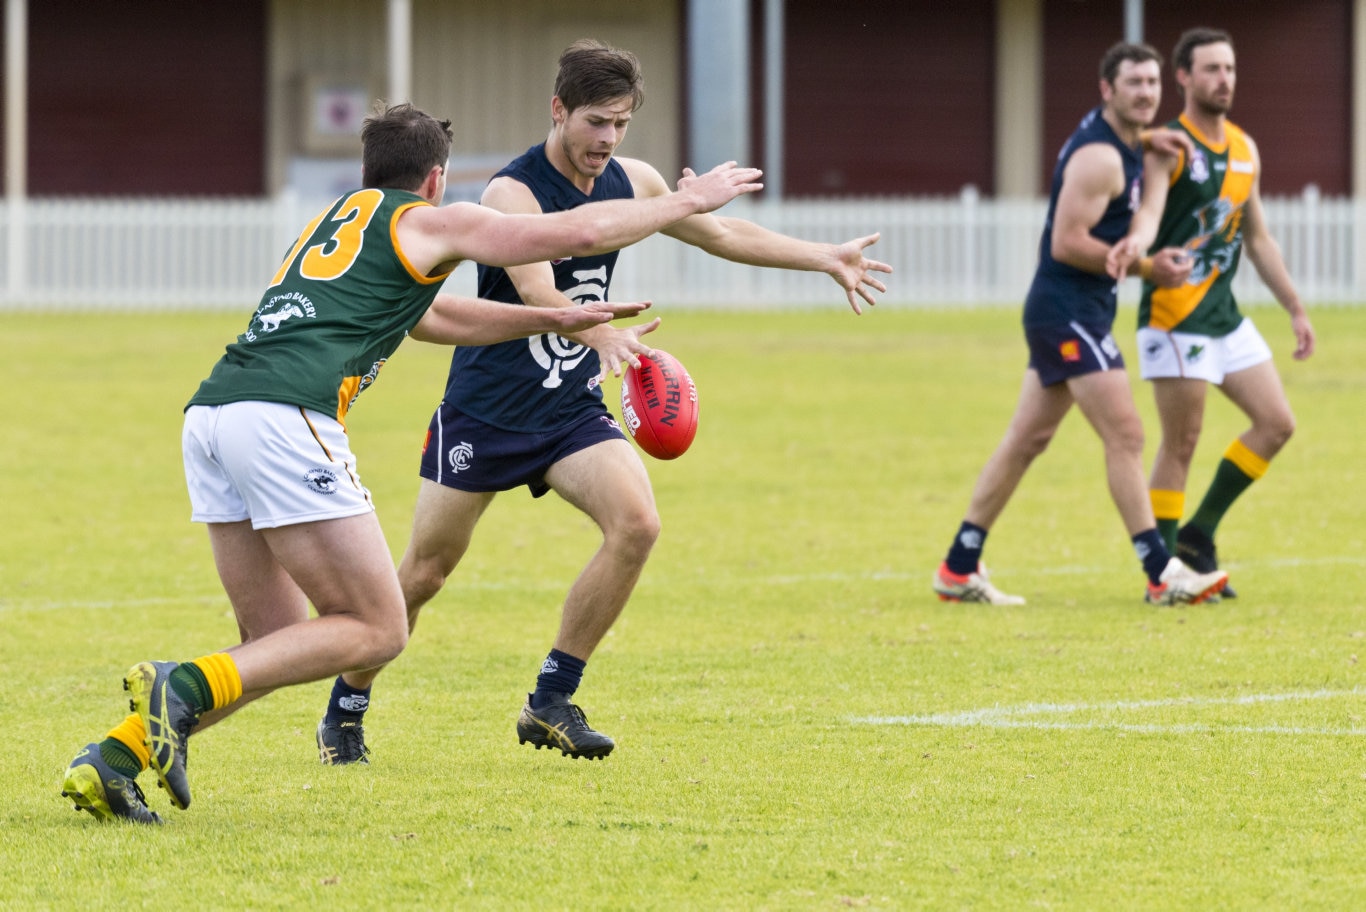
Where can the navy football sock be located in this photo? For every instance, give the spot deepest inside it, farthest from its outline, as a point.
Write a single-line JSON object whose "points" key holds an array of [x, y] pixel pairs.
{"points": [[560, 673], [966, 551], [347, 704], [1152, 551]]}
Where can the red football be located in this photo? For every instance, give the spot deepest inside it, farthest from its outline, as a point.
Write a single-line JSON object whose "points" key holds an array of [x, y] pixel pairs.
{"points": [[659, 405]]}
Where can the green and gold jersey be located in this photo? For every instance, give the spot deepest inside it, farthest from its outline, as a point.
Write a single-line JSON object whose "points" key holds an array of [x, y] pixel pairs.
{"points": [[1204, 214], [340, 303]]}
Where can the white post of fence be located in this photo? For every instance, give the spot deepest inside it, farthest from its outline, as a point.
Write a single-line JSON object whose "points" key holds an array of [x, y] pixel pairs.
{"points": [[969, 197], [1312, 229], [16, 144]]}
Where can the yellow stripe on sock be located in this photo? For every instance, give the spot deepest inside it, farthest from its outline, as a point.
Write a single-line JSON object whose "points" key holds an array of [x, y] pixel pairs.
{"points": [[1167, 504], [132, 734], [1252, 465], [221, 673]]}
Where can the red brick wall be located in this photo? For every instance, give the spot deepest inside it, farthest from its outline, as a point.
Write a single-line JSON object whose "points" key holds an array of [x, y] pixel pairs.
{"points": [[1294, 77], [146, 97]]}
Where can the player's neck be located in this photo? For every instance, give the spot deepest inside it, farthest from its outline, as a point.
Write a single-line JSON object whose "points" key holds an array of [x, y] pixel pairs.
{"points": [[1127, 132], [554, 153], [1210, 125]]}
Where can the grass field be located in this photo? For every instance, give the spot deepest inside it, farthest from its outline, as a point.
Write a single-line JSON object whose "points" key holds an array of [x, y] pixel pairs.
{"points": [[800, 724]]}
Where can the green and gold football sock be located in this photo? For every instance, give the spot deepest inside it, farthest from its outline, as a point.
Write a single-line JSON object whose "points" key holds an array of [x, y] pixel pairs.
{"points": [[209, 682], [124, 748], [1239, 468], [1167, 509]]}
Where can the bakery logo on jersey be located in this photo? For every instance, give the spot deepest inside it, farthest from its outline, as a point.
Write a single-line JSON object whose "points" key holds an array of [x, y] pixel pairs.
{"points": [[1199, 167], [321, 480], [460, 456], [1070, 351], [1239, 166], [277, 310], [557, 355], [1135, 194]]}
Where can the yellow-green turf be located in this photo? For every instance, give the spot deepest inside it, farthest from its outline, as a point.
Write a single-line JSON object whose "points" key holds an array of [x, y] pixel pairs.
{"points": [[800, 723]]}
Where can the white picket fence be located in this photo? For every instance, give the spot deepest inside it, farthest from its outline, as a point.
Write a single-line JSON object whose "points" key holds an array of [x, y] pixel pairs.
{"points": [[964, 250]]}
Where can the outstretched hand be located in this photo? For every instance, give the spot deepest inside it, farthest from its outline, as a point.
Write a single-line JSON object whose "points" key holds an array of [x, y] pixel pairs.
{"points": [[593, 313], [852, 271], [618, 346], [720, 185]]}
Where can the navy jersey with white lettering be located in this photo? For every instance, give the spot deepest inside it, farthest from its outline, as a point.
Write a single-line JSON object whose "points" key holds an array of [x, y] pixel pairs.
{"points": [[1061, 293], [547, 381]]}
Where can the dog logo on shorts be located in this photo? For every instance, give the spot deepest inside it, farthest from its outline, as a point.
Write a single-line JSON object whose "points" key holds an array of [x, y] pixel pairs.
{"points": [[461, 456], [321, 480], [556, 354]]}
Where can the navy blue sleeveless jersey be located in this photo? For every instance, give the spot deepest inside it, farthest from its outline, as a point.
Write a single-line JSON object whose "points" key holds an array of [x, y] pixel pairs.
{"points": [[547, 381], [1061, 293]]}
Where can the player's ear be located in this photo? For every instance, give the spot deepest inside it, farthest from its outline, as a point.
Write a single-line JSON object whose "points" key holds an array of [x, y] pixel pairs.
{"points": [[558, 112]]}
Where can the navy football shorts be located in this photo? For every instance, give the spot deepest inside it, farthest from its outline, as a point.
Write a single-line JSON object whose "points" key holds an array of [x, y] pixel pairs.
{"points": [[1061, 352], [464, 453]]}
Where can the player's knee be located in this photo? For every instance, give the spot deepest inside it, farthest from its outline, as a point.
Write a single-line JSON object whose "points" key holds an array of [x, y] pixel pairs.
{"points": [[635, 533], [1183, 446], [1283, 429], [384, 641], [421, 581], [1031, 446], [1127, 437]]}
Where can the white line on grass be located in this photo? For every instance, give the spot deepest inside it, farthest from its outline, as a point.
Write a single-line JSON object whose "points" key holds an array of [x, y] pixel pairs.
{"points": [[1020, 716]]}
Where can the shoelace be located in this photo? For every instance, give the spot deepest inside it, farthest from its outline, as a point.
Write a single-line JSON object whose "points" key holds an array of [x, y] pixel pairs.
{"points": [[352, 743], [578, 714]]}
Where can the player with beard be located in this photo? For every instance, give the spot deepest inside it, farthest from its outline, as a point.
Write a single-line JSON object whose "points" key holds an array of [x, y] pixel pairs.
{"points": [[1073, 359], [532, 413], [1194, 335]]}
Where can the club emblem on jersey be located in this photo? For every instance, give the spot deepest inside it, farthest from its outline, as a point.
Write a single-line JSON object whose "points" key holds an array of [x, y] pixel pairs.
{"points": [[556, 354], [1199, 167], [1218, 240], [460, 456], [321, 480]]}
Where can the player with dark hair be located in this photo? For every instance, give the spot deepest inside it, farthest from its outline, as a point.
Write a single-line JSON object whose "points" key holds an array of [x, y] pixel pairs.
{"points": [[532, 413], [1193, 335], [267, 460], [1073, 358]]}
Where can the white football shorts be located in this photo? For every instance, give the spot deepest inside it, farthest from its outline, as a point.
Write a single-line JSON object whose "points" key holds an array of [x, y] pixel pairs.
{"points": [[275, 464], [1175, 354]]}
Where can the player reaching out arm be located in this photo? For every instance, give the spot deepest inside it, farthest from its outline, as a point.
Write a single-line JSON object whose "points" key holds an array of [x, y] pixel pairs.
{"points": [[531, 413], [268, 461]]}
